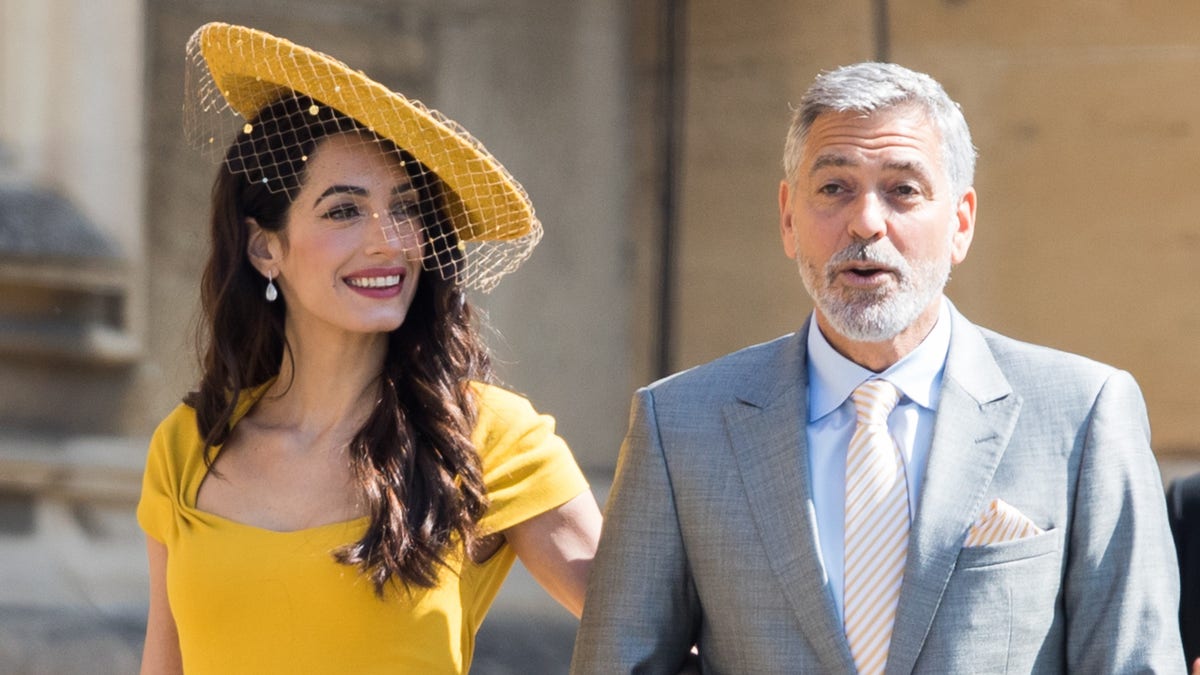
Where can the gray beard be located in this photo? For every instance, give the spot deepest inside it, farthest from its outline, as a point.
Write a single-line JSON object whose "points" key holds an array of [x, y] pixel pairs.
{"points": [[874, 315]]}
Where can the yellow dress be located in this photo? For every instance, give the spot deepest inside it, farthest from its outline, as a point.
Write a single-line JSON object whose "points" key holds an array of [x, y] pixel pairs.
{"points": [[250, 600]]}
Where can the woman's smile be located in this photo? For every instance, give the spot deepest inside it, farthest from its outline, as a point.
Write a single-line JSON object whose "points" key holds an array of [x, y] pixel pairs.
{"points": [[341, 262], [378, 283]]}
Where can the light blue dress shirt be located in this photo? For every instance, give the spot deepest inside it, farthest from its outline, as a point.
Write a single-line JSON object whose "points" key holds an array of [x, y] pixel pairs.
{"points": [[830, 425]]}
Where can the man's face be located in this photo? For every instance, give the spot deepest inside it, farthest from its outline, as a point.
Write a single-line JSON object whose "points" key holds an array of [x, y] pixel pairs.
{"points": [[874, 224]]}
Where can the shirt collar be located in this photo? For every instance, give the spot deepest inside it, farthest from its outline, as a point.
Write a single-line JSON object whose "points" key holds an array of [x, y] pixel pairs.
{"points": [[918, 376]]}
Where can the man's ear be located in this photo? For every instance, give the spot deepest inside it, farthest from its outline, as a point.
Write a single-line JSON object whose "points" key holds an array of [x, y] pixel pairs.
{"points": [[262, 248], [964, 231], [787, 228]]}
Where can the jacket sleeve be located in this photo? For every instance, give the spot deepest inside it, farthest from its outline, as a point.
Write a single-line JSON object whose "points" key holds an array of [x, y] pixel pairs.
{"points": [[641, 613], [1122, 579], [1183, 510]]}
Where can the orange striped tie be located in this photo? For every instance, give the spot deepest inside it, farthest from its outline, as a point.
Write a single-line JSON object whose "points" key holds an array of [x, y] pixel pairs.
{"points": [[876, 534]]}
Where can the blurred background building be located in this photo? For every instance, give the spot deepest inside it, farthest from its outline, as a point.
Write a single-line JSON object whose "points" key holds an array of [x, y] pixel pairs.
{"points": [[649, 136]]}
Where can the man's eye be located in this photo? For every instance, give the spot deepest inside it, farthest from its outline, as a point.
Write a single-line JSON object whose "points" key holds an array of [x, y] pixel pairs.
{"points": [[906, 190], [830, 189]]}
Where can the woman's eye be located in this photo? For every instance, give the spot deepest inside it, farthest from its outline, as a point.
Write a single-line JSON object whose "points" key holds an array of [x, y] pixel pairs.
{"points": [[406, 210], [343, 212]]}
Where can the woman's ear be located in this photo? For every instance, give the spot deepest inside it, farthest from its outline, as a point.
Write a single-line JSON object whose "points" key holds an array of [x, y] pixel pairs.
{"points": [[262, 248]]}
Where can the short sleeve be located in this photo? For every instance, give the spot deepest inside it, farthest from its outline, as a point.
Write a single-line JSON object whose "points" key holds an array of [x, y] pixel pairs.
{"points": [[527, 468], [161, 482]]}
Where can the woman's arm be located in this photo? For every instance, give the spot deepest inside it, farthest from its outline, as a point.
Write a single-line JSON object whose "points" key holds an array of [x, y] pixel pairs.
{"points": [[160, 655], [557, 548]]}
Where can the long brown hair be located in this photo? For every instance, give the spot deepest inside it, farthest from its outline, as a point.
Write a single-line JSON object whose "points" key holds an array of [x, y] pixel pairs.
{"points": [[413, 458]]}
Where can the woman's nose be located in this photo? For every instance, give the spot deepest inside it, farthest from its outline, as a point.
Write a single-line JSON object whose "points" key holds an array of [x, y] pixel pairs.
{"points": [[398, 234]]}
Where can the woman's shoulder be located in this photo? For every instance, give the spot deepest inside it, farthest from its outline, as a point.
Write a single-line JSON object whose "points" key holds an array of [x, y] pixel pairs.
{"points": [[528, 469], [172, 464], [178, 434], [184, 418], [505, 418], [506, 423], [180, 422], [494, 402], [175, 440]]}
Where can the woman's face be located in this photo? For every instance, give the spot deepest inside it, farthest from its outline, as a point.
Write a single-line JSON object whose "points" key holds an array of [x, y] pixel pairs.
{"points": [[349, 256]]}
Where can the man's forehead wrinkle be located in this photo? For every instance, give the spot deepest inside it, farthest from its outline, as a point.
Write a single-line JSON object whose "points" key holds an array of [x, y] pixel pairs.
{"points": [[872, 140], [834, 159]]}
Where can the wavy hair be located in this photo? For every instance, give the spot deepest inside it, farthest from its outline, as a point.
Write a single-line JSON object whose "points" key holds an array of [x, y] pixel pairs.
{"points": [[418, 472]]}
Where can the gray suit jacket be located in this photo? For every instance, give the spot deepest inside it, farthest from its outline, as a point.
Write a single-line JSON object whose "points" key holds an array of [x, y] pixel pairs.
{"points": [[710, 535]]}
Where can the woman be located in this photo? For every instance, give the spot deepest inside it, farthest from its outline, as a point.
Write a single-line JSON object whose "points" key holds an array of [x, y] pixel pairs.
{"points": [[344, 492]]}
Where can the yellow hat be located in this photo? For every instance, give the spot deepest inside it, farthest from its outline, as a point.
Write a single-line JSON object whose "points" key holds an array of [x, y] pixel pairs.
{"points": [[242, 70]]}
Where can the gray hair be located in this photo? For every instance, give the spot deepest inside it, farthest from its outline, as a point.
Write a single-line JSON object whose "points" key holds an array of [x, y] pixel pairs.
{"points": [[871, 87]]}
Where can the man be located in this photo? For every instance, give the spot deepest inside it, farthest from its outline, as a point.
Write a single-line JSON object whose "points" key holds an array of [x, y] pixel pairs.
{"points": [[890, 488], [1183, 511]]}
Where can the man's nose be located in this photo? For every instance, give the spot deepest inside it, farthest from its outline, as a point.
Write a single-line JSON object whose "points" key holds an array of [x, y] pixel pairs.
{"points": [[869, 218]]}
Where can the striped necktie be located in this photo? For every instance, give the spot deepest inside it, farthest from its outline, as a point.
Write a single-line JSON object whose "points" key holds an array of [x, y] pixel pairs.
{"points": [[876, 527]]}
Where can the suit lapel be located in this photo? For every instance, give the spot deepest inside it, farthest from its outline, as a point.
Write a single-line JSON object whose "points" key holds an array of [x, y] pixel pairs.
{"points": [[975, 419], [769, 446]]}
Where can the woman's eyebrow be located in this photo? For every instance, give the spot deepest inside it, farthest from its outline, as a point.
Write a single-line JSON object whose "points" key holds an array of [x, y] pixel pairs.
{"points": [[341, 190]]}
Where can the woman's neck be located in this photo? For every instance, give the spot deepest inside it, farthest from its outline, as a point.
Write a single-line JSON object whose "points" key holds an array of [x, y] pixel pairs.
{"points": [[325, 381]]}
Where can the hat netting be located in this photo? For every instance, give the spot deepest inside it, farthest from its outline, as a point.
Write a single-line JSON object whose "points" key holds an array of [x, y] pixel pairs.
{"points": [[262, 105]]}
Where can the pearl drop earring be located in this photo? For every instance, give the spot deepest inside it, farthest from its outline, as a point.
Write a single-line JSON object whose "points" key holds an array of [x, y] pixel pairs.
{"points": [[272, 292]]}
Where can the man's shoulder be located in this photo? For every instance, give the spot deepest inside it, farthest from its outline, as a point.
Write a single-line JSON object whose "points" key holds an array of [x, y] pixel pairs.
{"points": [[1027, 360], [753, 363]]}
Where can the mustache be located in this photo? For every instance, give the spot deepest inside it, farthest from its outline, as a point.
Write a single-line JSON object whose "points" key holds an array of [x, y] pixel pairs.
{"points": [[877, 251]]}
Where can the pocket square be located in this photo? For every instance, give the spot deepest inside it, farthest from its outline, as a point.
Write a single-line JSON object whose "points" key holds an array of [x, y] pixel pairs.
{"points": [[1000, 522]]}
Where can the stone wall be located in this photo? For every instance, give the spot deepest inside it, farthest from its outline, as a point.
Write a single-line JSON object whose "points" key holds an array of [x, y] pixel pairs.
{"points": [[1084, 116], [1083, 112], [543, 85]]}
